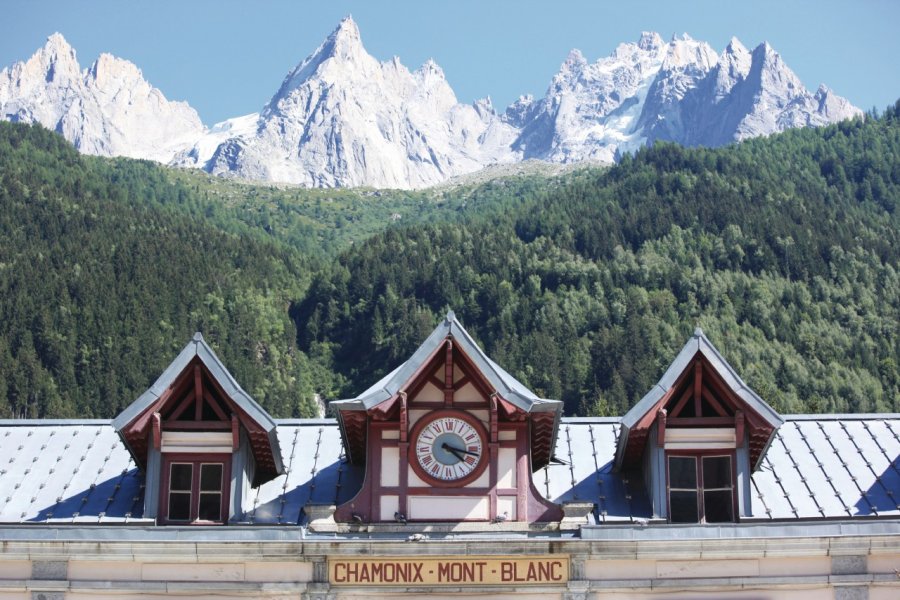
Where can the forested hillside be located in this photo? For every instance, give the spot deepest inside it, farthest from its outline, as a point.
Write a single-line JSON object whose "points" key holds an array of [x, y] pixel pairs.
{"points": [[103, 278], [785, 251]]}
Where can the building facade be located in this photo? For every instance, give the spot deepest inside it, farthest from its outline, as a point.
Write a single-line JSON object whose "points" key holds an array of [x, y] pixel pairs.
{"points": [[449, 478]]}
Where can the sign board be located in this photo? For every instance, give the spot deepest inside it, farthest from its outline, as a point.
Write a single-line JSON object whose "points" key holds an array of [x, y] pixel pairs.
{"points": [[450, 570]]}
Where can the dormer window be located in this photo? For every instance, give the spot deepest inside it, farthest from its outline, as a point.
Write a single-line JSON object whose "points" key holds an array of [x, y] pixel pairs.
{"points": [[696, 437], [201, 441], [701, 489], [195, 488]]}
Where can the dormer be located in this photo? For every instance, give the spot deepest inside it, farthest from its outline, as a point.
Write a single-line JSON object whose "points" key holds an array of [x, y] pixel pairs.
{"points": [[448, 436], [200, 439], [697, 436]]}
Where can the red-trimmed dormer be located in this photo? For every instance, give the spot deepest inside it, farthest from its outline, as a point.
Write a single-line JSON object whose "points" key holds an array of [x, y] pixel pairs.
{"points": [[697, 435], [448, 436], [200, 439]]}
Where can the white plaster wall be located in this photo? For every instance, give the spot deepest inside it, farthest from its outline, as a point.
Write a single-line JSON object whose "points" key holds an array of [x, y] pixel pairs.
{"points": [[467, 393], [429, 393], [506, 436], [390, 467], [506, 505], [15, 569], [496, 596], [118, 570], [442, 508], [390, 504], [760, 593], [412, 480], [390, 434], [600, 570], [883, 563], [506, 468]]}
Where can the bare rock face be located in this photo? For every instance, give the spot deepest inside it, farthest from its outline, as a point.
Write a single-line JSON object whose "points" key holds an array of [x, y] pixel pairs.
{"points": [[342, 118], [107, 110]]}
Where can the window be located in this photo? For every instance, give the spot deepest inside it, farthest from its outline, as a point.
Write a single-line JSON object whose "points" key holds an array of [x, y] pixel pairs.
{"points": [[701, 495], [195, 489]]}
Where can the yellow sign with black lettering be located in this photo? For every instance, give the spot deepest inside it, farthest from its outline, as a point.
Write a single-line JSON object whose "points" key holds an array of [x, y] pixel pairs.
{"points": [[450, 570]]}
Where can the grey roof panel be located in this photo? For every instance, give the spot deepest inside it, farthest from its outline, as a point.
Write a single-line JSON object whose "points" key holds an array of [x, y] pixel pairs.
{"points": [[815, 468]]}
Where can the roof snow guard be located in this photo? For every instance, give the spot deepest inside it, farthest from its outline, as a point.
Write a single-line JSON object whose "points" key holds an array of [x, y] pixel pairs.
{"points": [[134, 424], [761, 419], [544, 414]]}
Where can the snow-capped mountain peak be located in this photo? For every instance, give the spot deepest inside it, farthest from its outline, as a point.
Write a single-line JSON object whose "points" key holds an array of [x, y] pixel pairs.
{"points": [[108, 109], [342, 118]]}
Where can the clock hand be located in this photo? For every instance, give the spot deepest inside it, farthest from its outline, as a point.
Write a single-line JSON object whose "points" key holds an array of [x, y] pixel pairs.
{"points": [[454, 449], [454, 452]]}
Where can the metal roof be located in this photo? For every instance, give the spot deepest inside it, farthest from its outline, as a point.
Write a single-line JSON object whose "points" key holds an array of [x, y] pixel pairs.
{"points": [[817, 467]]}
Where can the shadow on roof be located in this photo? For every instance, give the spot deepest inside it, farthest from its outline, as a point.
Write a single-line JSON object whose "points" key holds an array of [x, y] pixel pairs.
{"points": [[883, 496], [116, 498]]}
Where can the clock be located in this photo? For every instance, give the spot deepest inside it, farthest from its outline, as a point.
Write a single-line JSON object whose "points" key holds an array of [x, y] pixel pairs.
{"points": [[448, 448]]}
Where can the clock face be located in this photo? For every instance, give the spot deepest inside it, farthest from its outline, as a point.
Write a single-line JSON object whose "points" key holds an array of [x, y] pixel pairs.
{"points": [[449, 448]]}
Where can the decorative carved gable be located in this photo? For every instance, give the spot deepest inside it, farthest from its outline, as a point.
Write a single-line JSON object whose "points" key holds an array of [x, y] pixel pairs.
{"points": [[699, 390]]}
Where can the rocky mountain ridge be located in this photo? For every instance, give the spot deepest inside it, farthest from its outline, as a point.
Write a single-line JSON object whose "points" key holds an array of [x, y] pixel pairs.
{"points": [[342, 118]]}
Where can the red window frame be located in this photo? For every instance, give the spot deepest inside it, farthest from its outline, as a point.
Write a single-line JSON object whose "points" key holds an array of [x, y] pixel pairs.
{"points": [[196, 460], [698, 457]]}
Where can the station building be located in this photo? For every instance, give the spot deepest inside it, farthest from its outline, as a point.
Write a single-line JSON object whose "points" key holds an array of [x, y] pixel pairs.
{"points": [[448, 478]]}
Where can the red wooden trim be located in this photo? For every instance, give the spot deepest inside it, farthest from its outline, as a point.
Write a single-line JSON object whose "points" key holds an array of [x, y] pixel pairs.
{"points": [[715, 383], [739, 427], [661, 427], [493, 419], [681, 402], [157, 433], [457, 414], [698, 388], [433, 380], [523, 479], [182, 406], [235, 432], [707, 395], [404, 418], [448, 374], [403, 479], [479, 492], [463, 381], [191, 425], [210, 399], [198, 393]]}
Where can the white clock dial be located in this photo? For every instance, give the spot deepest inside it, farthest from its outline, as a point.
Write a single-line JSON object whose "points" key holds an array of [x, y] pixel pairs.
{"points": [[449, 448]]}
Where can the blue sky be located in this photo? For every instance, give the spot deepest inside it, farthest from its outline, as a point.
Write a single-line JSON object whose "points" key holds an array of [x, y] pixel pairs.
{"points": [[226, 58]]}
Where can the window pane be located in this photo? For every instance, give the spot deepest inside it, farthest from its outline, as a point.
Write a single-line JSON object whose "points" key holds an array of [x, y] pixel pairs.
{"points": [[684, 507], [210, 507], [180, 477], [683, 472], [717, 506], [716, 472], [179, 506], [211, 478]]}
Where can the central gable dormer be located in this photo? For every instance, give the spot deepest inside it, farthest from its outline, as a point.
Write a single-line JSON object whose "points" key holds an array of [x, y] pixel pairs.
{"points": [[448, 436], [697, 435]]}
